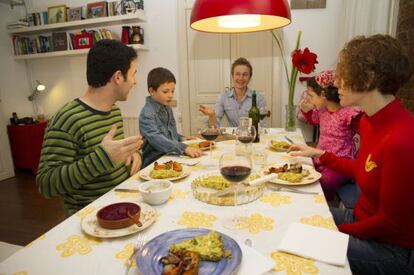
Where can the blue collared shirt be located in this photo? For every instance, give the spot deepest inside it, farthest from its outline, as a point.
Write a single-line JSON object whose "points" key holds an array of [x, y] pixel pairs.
{"points": [[157, 125], [227, 105]]}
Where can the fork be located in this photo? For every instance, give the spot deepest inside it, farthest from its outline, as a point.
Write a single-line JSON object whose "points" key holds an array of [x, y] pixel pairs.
{"points": [[138, 246], [189, 164], [290, 189]]}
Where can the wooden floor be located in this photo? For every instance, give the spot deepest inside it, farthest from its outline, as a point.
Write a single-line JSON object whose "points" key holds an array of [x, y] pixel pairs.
{"points": [[25, 214]]}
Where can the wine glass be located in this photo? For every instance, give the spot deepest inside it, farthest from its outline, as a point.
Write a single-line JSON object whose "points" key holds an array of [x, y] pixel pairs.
{"points": [[210, 134], [234, 168], [245, 133]]}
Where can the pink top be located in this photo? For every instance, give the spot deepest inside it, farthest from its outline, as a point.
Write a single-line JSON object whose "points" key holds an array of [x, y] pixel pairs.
{"points": [[337, 130]]}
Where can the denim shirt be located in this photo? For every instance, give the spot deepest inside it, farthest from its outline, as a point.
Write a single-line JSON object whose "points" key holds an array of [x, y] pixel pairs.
{"points": [[228, 105], [157, 125]]}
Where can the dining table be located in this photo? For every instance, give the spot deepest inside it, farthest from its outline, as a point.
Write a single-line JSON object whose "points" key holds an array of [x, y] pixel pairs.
{"points": [[68, 249]]}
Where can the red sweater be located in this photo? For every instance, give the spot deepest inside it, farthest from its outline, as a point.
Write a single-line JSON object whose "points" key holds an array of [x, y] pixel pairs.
{"points": [[384, 170]]}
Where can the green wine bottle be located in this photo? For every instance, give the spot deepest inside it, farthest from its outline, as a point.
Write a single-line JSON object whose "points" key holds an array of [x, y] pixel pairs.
{"points": [[254, 114]]}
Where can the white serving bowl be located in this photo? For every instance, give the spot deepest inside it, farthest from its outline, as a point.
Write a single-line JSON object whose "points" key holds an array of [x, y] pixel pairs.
{"points": [[156, 191]]}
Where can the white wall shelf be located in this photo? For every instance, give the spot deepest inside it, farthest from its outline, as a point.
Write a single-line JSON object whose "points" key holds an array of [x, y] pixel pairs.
{"points": [[79, 24], [138, 16], [67, 53]]}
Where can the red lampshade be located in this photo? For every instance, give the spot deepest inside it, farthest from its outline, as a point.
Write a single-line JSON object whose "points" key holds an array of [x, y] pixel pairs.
{"points": [[235, 16]]}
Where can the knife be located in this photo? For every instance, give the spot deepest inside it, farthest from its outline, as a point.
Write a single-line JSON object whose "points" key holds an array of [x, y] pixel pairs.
{"points": [[249, 186], [288, 139]]}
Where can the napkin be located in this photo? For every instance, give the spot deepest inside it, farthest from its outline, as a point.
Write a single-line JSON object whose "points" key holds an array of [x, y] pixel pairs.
{"points": [[315, 243], [253, 262]]}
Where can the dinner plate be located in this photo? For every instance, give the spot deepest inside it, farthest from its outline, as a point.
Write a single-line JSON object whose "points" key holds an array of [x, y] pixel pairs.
{"points": [[145, 173], [194, 144], [277, 149], [90, 225], [311, 178], [148, 258]]}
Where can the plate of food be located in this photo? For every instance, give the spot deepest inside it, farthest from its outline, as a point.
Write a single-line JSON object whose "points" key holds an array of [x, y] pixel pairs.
{"points": [[170, 170], [196, 250], [202, 145], [112, 223], [293, 173], [205, 188], [279, 146]]}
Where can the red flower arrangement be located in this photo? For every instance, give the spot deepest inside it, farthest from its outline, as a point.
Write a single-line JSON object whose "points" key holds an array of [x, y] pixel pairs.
{"points": [[302, 61]]}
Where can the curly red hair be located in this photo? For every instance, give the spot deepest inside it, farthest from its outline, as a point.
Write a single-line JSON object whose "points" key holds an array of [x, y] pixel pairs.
{"points": [[375, 62]]}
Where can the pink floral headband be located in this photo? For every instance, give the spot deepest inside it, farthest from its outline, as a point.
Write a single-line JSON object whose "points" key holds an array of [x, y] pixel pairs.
{"points": [[325, 78]]}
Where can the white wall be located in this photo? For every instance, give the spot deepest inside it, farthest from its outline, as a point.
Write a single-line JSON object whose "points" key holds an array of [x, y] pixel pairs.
{"points": [[65, 77], [320, 33]]}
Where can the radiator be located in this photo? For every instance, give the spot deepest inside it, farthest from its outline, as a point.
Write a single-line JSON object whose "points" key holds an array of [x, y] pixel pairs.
{"points": [[131, 127]]}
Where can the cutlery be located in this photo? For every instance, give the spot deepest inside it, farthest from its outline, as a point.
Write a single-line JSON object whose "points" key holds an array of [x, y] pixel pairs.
{"points": [[126, 190], [290, 189], [189, 164], [138, 246], [249, 185], [288, 139]]}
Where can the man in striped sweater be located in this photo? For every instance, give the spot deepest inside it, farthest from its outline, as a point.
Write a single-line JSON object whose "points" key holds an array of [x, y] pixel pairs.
{"points": [[84, 152]]}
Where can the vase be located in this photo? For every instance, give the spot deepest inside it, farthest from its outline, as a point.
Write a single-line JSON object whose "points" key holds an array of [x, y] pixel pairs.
{"points": [[290, 125]]}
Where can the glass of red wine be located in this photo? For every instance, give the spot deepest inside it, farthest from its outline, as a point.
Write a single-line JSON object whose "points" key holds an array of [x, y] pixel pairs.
{"points": [[245, 133], [235, 168], [210, 134]]}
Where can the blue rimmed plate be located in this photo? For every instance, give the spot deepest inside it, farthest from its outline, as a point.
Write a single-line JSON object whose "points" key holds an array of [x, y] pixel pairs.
{"points": [[148, 259]]}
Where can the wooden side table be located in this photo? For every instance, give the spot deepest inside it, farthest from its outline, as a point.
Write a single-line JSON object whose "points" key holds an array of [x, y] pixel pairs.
{"points": [[25, 144]]}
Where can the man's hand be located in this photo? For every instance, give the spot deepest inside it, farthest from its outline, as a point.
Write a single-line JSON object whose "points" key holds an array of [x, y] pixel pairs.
{"points": [[120, 150], [206, 110], [193, 152], [135, 161], [298, 150]]}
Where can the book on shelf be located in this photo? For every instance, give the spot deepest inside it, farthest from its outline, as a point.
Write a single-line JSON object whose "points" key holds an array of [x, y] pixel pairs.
{"points": [[59, 41]]}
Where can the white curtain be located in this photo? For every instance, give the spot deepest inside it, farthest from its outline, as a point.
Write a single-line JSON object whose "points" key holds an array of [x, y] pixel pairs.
{"points": [[367, 17]]}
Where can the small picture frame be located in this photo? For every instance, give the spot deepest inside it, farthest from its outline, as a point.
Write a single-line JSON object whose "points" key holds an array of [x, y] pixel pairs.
{"points": [[75, 14], [83, 41], [307, 4], [56, 14], [97, 9]]}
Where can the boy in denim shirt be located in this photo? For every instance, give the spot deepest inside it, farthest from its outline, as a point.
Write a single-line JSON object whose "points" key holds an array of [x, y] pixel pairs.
{"points": [[156, 120]]}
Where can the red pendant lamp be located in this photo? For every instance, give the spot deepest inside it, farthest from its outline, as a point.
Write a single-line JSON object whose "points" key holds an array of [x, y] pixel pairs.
{"points": [[236, 16]]}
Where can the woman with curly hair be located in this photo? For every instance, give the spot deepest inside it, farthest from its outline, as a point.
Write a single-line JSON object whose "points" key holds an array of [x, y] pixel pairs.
{"points": [[369, 74]]}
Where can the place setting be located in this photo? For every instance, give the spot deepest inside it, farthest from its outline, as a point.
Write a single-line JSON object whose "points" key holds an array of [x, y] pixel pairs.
{"points": [[119, 219]]}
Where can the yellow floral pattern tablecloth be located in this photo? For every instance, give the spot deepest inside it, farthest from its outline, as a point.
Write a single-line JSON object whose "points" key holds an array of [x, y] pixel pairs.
{"points": [[66, 249]]}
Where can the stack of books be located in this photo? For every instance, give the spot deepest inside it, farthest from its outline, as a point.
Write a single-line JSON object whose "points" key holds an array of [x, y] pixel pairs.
{"points": [[17, 24]]}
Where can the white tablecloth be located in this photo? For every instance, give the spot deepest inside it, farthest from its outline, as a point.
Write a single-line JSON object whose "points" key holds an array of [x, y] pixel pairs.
{"points": [[65, 249]]}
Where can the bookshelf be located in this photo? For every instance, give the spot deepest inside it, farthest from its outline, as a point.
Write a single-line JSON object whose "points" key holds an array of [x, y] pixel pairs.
{"points": [[67, 53], [136, 17]]}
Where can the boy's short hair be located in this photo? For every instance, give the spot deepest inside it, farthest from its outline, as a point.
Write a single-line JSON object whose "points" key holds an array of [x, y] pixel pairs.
{"points": [[105, 58], [159, 76], [242, 61], [374, 62]]}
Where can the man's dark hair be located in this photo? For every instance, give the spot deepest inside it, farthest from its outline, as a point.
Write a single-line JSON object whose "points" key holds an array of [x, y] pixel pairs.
{"points": [[105, 58], [159, 76]]}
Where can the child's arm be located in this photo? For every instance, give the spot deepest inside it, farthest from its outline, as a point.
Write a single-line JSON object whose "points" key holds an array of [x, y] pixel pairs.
{"points": [[155, 137], [312, 117]]}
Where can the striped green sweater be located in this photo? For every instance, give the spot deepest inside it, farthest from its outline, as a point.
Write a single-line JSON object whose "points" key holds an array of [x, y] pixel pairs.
{"points": [[72, 163]]}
